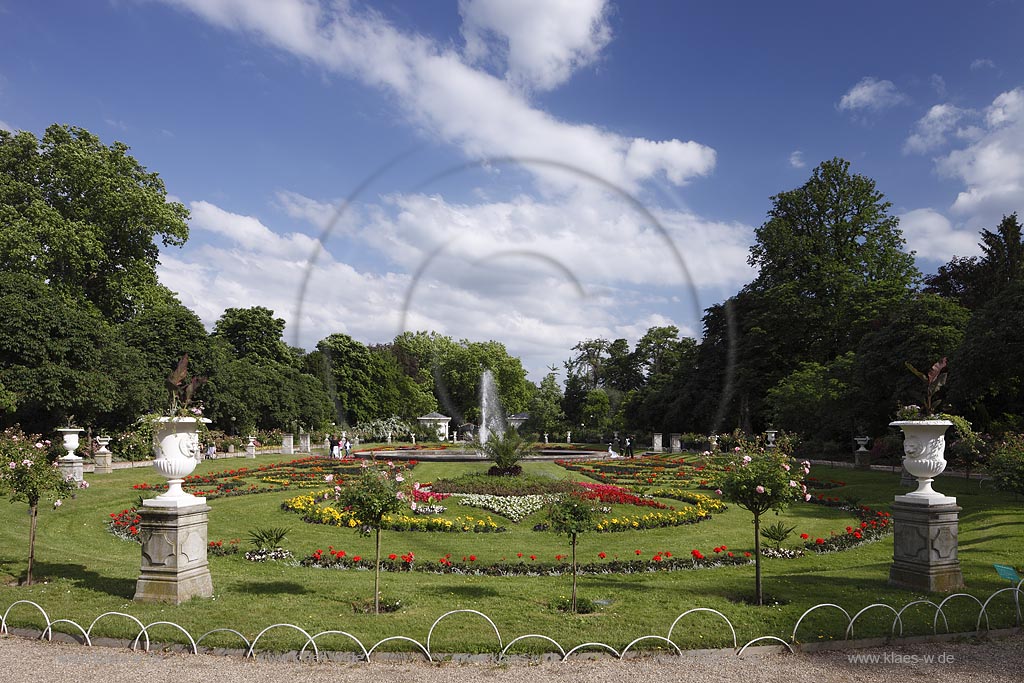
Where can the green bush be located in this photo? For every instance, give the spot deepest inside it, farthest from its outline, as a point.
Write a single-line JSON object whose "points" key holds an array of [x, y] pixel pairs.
{"points": [[1006, 463]]}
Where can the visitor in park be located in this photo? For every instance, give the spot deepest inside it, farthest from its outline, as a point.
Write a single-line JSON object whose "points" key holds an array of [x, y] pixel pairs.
{"points": [[335, 446], [211, 450], [347, 447], [629, 446]]}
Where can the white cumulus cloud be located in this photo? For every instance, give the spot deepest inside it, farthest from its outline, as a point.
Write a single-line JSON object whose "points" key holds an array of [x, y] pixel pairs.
{"points": [[934, 237], [485, 116], [992, 166], [931, 130], [796, 159], [542, 42], [871, 94]]}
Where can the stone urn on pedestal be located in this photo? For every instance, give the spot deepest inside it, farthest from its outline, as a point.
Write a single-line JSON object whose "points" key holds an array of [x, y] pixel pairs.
{"points": [[862, 456], [926, 522], [250, 448], [70, 464], [104, 458], [174, 524]]}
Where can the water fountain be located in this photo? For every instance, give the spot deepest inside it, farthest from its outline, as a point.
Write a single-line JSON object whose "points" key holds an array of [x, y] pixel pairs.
{"points": [[492, 415]]}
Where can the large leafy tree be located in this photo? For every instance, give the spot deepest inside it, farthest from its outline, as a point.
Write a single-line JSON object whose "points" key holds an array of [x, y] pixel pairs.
{"points": [[830, 265], [973, 281], [83, 217], [253, 332]]}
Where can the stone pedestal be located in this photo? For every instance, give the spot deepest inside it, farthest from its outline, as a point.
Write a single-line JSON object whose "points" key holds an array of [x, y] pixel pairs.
{"points": [[71, 467], [104, 458], [862, 461], [250, 448], [174, 564], [925, 544], [675, 443], [287, 444], [656, 442], [304, 442], [104, 463]]}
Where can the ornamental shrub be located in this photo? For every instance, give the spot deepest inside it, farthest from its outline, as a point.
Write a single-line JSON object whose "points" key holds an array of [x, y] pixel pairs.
{"points": [[1006, 463], [759, 479]]}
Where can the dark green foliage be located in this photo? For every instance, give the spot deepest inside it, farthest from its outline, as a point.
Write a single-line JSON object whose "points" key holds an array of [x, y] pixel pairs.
{"points": [[523, 485]]}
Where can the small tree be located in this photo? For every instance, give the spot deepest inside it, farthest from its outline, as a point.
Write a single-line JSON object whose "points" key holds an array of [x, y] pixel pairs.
{"points": [[571, 516], [1006, 464], [27, 475], [758, 480], [376, 493]]}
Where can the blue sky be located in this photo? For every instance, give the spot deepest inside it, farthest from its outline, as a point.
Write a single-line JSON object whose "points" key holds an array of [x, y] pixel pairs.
{"points": [[537, 172]]}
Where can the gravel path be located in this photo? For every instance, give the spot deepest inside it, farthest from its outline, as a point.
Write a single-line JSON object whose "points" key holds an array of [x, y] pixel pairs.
{"points": [[994, 661]]}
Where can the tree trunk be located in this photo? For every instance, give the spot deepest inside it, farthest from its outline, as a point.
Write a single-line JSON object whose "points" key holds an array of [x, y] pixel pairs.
{"points": [[757, 558], [33, 512], [574, 573], [376, 578]]}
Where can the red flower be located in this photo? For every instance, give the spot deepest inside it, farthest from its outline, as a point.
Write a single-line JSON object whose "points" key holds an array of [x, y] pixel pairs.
{"points": [[355, 558], [132, 530], [637, 552], [392, 556], [804, 536], [746, 554], [856, 534], [656, 558], [730, 553], [668, 554], [533, 557], [472, 558], [519, 554], [819, 541], [602, 555]]}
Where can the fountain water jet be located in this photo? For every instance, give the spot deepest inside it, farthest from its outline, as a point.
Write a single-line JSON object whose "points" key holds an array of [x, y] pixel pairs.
{"points": [[492, 415]]}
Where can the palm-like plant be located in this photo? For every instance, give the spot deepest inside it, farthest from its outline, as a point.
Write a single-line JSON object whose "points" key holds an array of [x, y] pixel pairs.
{"points": [[505, 451]]}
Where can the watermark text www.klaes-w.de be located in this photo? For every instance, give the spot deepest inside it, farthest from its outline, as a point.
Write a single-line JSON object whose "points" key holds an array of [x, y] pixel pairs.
{"points": [[900, 658]]}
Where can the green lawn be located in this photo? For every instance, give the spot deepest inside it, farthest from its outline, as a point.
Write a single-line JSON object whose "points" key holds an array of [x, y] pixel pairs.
{"points": [[90, 572]]}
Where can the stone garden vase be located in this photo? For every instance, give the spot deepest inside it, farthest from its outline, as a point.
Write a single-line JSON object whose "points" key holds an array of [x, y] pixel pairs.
{"points": [[176, 443], [924, 446]]}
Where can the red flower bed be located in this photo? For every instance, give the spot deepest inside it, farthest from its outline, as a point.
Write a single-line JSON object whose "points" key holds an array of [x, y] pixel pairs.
{"points": [[607, 493]]}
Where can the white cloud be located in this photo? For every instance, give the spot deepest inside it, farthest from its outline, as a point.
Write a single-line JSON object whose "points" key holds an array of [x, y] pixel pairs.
{"points": [[992, 166], [483, 115], [538, 275], [938, 84], [930, 131], [796, 159], [541, 41], [6, 126], [982, 64], [871, 94], [933, 237]]}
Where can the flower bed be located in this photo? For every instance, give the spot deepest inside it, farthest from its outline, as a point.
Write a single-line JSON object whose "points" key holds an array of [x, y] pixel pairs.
{"points": [[515, 508]]}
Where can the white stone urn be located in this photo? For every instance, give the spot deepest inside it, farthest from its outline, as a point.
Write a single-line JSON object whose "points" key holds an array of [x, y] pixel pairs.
{"points": [[103, 456], [175, 444], [862, 442], [770, 435], [924, 446], [70, 464]]}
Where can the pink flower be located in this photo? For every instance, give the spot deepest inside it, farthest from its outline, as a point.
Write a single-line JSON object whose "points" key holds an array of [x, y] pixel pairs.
{"points": [[13, 465], [399, 478], [26, 462], [746, 459], [807, 496], [718, 491], [760, 489], [39, 445], [329, 477], [792, 483], [737, 449], [785, 467]]}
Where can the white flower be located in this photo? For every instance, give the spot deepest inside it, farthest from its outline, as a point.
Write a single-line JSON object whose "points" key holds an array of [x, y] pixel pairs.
{"points": [[329, 477], [792, 483], [399, 495], [746, 459], [399, 478], [39, 445], [26, 462], [83, 484], [807, 496], [57, 503]]}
